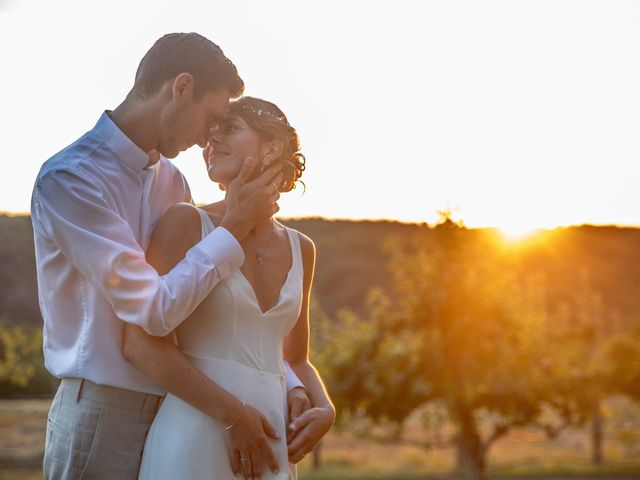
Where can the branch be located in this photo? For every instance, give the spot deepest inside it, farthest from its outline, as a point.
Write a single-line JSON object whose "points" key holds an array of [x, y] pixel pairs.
{"points": [[550, 430], [499, 430]]}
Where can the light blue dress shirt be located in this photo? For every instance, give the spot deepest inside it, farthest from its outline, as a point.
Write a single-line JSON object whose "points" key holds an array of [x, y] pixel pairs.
{"points": [[94, 207]]}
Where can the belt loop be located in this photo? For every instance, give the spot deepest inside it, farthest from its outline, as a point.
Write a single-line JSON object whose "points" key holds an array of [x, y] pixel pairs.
{"points": [[143, 410], [79, 391]]}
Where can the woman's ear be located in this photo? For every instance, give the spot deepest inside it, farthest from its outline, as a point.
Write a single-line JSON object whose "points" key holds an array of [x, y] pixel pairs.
{"points": [[270, 151]]}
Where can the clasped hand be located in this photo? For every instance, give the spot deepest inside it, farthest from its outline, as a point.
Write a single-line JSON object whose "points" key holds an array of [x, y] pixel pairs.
{"points": [[307, 425]]}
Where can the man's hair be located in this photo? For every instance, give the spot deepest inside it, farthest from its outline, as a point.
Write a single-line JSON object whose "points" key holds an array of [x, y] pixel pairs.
{"points": [[177, 53]]}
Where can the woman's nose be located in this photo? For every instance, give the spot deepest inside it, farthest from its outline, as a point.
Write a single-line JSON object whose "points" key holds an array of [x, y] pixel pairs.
{"points": [[215, 136]]}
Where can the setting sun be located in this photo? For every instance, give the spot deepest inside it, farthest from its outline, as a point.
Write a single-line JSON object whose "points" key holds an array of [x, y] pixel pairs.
{"points": [[517, 232]]}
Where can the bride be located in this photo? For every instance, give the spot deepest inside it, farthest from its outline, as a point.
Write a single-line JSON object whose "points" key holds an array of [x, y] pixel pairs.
{"points": [[241, 333]]}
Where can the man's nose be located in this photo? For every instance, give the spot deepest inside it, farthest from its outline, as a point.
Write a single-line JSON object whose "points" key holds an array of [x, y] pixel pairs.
{"points": [[209, 136]]}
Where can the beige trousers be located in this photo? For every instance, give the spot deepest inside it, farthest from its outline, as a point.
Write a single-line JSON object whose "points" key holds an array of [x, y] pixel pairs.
{"points": [[96, 431]]}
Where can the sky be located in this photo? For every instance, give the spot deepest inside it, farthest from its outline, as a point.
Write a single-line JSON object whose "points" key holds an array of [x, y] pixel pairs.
{"points": [[514, 114]]}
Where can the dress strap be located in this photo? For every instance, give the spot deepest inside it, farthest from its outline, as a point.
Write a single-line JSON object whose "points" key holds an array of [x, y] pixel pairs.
{"points": [[296, 250], [205, 221]]}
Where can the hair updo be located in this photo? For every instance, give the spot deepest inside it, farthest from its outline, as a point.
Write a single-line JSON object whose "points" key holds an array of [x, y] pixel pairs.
{"points": [[271, 123]]}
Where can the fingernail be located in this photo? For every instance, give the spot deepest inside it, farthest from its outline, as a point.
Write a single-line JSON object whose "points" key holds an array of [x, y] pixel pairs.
{"points": [[292, 426], [277, 434], [250, 161]]}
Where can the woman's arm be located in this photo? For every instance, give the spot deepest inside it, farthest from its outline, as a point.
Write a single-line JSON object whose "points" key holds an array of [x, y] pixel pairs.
{"points": [[307, 430], [160, 359]]}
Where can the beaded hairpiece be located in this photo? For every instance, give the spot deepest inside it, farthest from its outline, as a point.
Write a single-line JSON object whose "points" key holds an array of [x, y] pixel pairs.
{"points": [[261, 113]]}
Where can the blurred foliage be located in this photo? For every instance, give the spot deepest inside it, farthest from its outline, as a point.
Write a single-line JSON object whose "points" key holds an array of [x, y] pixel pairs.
{"points": [[464, 323], [19, 349], [407, 314], [22, 369]]}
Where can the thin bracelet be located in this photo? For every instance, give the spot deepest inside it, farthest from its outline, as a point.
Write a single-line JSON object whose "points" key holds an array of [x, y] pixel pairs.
{"points": [[236, 420]]}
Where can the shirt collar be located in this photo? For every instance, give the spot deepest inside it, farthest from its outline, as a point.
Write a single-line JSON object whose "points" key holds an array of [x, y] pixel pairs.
{"points": [[122, 146]]}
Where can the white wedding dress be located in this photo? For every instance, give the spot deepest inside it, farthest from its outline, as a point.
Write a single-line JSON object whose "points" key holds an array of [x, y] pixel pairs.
{"points": [[238, 346]]}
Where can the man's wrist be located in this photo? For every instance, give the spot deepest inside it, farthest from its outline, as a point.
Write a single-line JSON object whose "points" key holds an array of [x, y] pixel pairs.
{"points": [[236, 227]]}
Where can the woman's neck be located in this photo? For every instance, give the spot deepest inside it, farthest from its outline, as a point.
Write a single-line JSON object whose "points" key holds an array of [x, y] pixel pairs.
{"points": [[266, 225]]}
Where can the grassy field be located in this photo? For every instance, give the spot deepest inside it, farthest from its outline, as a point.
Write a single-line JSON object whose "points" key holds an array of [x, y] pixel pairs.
{"points": [[348, 455]]}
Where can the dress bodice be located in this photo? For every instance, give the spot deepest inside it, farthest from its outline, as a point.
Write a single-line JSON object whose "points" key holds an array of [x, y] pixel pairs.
{"points": [[229, 324]]}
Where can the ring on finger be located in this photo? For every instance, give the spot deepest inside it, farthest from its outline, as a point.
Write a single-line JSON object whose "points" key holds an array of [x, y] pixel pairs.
{"points": [[245, 467]]}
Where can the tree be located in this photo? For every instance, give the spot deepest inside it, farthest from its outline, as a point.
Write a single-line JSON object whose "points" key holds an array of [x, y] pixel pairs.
{"points": [[460, 328]]}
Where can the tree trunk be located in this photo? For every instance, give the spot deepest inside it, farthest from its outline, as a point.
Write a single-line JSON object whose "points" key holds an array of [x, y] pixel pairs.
{"points": [[316, 456], [597, 422], [471, 464]]}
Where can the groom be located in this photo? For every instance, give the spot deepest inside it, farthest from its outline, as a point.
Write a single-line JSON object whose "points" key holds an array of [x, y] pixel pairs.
{"points": [[94, 207]]}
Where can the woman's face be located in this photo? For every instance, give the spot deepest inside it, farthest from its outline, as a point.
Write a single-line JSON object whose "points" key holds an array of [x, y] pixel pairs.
{"points": [[229, 147]]}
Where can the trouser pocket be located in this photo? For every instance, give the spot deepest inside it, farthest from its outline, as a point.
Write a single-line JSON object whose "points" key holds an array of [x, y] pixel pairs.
{"points": [[72, 428]]}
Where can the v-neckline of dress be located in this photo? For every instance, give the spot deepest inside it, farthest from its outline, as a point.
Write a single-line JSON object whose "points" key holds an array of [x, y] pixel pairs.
{"points": [[286, 280]]}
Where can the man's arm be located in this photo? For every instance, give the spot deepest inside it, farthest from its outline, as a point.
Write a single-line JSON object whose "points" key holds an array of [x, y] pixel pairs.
{"points": [[309, 428], [248, 430], [79, 218], [71, 212]]}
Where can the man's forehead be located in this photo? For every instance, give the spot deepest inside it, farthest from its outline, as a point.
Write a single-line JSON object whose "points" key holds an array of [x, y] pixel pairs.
{"points": [[217, 102]]}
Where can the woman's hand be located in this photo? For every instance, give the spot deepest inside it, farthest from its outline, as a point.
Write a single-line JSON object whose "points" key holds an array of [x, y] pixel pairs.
{"points": [[307, 430], [297, 402], [248, 444]]}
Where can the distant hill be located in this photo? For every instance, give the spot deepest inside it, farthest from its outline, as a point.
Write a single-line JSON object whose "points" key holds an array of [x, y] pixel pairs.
{"points": [[352, 259], [19, 297]]}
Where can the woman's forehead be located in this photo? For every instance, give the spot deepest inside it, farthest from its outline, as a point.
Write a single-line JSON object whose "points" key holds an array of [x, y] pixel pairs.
{"points": [[235, 117]]}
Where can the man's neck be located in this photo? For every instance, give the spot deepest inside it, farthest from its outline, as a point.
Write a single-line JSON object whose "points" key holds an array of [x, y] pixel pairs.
{"points": [[138, 120]]}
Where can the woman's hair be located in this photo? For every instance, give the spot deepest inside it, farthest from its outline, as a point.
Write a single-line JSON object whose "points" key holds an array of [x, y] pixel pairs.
{"points": [[270, 123]]}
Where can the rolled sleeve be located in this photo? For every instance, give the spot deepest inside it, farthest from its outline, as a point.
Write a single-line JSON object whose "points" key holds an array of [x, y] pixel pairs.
{"points": [[292, 379], [222, 250]]}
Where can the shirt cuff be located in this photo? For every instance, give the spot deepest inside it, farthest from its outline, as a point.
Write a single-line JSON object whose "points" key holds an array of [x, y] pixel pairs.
{"points": [[223, 250], [292, 380]]}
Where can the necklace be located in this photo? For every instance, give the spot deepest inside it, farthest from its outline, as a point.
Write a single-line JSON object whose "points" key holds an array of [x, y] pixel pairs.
{"points": [[259, 254]]}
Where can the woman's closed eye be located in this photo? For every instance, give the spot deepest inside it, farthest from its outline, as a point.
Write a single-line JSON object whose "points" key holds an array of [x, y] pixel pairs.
{"points": [[229, 127]]}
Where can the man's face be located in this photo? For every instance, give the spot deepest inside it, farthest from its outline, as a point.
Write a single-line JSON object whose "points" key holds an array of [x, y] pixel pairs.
{"points": [[191, 121]]}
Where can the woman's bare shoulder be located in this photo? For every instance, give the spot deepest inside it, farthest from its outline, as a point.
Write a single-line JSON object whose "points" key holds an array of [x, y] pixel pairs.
{"points": [[307, 247], [179, 215], [178, 229]]}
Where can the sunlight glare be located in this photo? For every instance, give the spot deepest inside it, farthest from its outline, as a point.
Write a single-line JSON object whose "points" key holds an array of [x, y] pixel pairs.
{"points": [[517, 232]]}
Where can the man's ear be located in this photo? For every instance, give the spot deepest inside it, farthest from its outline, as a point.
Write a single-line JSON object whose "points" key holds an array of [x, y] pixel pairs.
{"points": [[182, 87], [271, 150]]}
